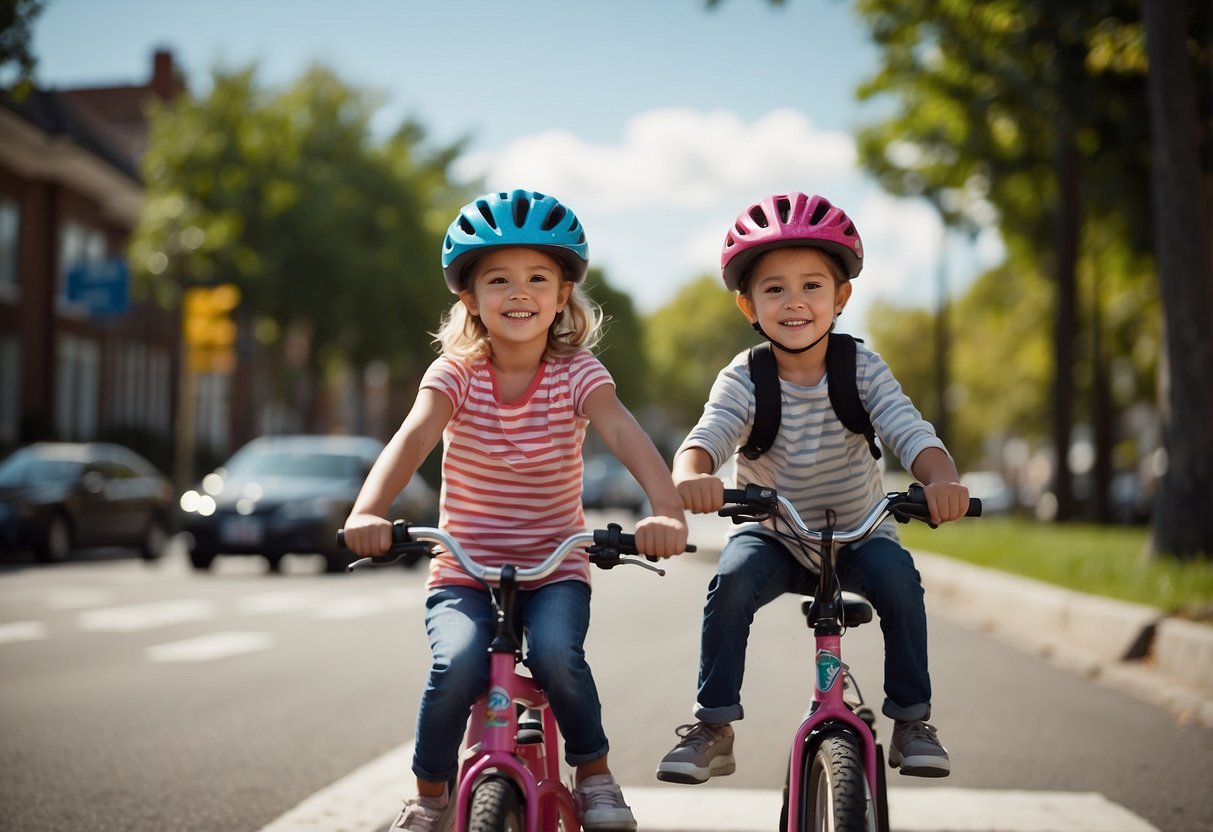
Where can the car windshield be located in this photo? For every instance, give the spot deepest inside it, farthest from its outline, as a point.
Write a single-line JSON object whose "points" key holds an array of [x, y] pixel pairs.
{"points": [[275, 463], [28, 469]]}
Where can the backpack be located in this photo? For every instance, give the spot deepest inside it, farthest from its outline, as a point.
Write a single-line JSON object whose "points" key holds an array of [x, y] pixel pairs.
{"points": [[844, 395]]}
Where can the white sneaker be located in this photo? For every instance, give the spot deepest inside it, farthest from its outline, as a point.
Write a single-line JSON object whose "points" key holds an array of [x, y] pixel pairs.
{"points": [[425, 814], [601, 805]]}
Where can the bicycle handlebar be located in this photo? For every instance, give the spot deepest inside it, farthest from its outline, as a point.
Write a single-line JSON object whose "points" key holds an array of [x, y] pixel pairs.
{"points": [[904, 506], [608, 548]]}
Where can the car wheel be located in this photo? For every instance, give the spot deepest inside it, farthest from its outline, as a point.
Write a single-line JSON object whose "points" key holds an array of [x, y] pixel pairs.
{"points": [[155, 540], [275, 563], [201, 558], [335, 563], [57, 544]]}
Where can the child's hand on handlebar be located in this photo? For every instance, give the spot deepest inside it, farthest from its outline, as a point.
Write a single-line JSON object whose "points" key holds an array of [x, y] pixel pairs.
{"points": [[946, 500], [661, 536], [367, 535], [701, 493]]}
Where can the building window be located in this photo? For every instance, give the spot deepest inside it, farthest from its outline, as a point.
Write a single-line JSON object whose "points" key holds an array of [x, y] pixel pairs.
{"points": [[77, 244], [10, 233], [10, 389], [78, 369]]}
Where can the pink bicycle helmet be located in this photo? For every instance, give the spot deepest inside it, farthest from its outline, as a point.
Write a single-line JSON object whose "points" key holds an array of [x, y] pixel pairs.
{"points": [[793, 219]]}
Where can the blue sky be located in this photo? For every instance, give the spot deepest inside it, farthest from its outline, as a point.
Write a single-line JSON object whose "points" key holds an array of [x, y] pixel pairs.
{"points": [[657, 121]]}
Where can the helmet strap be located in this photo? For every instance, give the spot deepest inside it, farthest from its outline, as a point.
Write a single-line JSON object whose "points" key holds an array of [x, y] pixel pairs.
{"points": [[758, 328]]}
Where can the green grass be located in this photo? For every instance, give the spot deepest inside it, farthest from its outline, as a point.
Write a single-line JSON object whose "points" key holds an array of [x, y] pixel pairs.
{"points": [[1112, 561]]}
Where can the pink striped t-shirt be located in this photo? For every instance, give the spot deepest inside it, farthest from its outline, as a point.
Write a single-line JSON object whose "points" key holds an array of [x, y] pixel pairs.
{"points": [[511, 471]]}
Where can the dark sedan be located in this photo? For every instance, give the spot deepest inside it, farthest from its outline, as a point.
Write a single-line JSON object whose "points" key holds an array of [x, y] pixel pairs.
{"points": [[60, 496], [281, 495]]}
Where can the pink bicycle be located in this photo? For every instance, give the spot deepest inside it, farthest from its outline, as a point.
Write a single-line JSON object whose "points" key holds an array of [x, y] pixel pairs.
{"points": [[510, 773], [835, 780]]}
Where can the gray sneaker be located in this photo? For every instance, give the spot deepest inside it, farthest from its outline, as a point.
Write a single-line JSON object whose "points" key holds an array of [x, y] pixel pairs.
{"points": [[601, 805], [916, 750], [703, 751], [425, 814]]}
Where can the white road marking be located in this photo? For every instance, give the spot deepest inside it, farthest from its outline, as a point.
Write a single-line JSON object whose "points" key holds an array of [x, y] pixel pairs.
{"points": [[210, 647], [278, 601], [366, 799], [15, 631], [138, 617], [74, 599]]}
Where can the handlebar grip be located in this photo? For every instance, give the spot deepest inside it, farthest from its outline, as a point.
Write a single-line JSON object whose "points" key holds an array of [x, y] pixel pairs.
{"points": [[400, 534], [734, 495], [974, 507]]}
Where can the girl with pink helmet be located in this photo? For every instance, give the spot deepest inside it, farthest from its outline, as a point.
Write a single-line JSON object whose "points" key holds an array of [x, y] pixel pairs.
{"points": [[791, 258]]}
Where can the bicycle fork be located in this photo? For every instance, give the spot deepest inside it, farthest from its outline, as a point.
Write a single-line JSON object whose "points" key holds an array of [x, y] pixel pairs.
{"points": [[829, 707]]}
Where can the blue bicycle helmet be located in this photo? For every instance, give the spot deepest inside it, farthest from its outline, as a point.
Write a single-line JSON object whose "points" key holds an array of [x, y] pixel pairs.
{"points": [[517, 218]]}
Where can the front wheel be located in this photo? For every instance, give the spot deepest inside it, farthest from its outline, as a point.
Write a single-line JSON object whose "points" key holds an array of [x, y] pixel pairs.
{"points": [[833, 788], [496, 807]]}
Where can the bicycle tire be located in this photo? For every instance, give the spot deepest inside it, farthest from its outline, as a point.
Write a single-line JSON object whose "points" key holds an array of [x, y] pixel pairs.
{"points": [[496, 807], [833, 787]]}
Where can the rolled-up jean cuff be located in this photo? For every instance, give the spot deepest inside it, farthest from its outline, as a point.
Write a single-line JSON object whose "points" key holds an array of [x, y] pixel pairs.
{"points": [[718, 716], [582, 759], [909, 713]]}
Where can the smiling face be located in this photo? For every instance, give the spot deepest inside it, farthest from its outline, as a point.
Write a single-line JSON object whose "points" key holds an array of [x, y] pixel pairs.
{"points": [[517, 293], [794, 294]]}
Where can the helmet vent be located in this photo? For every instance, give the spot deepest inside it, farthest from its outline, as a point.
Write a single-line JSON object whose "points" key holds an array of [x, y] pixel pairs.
{"points": [[521, 208], [759, 216], [485, 212], [466, 226], [819, 212], [553, 218], [784, 206]]}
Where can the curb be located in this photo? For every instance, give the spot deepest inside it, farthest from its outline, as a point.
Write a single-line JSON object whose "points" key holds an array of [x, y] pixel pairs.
{"points": [[1139, 649]]}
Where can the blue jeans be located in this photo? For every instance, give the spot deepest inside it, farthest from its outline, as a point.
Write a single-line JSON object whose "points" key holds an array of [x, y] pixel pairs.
{"points": [[461, 624], [755, 569]]}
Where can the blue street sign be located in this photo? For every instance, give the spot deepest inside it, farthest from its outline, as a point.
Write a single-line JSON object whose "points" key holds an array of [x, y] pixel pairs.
{"points": [[102, 287]]}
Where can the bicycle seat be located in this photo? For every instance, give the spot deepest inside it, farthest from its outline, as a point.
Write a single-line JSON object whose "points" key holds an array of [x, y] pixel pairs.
{"points": [[856, 609]]}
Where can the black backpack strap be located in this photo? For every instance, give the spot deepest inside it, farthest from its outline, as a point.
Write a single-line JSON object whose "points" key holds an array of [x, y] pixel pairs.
{"points": [[844, 389], [767, 401]]}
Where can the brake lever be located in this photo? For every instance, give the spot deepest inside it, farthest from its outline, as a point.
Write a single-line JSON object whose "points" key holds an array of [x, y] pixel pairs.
{"points": [[744, 514]]}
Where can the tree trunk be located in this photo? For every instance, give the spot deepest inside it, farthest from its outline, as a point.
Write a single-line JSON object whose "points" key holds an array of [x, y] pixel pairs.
{"points": [[1183, 523], [1069, 223]]}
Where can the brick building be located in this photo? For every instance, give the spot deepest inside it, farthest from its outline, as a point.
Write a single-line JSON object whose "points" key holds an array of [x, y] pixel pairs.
{"points": [[82, 355]]}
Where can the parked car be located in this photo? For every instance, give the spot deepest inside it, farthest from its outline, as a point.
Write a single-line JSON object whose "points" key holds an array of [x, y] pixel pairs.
{"points": [[60, 496], [289, 494], [607, 483]]}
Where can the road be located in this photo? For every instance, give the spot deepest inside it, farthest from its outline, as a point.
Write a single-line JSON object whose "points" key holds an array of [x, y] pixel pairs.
{"points": [[143, 698]]}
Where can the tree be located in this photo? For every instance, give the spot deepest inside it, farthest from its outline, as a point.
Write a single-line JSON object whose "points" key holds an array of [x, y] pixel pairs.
{"points": [[16, 18], [702, 323], [622, 347], [326, 232], [1183, 218]]}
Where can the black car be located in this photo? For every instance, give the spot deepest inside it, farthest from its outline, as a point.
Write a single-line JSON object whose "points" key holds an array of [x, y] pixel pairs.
{"points": [[282, 495], [60, 496]]}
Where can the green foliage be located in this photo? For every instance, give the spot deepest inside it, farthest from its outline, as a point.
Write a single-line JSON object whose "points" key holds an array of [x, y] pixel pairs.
{"points": [[286, 194], [622, 347], [689, 341], [16, 18], [1101, 560]]}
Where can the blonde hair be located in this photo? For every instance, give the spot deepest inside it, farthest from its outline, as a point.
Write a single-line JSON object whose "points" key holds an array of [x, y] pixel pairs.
{"points": [[577, 327]]}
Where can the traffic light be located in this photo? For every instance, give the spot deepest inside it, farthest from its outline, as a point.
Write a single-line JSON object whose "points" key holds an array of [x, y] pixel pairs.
{"points": [[208, 328]]}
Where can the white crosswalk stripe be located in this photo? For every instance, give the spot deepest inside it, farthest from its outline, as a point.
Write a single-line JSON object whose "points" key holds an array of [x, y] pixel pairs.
{"points": [[137, 617], [365, 800], [16, 631], [211, 647]]}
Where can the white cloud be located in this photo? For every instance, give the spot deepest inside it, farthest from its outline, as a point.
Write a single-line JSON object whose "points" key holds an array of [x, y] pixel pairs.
{"points": [[656, 205]]}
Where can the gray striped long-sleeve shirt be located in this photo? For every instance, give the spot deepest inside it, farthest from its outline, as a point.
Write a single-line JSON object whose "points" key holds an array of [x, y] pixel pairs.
{"points": [[815, 462]]}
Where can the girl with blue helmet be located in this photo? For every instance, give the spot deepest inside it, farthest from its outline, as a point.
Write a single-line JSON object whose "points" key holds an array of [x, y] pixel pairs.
{"points": [[511, 397]]}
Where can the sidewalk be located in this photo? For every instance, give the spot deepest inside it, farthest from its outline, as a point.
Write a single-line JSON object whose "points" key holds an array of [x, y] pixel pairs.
{"points": [[1135, 648]]}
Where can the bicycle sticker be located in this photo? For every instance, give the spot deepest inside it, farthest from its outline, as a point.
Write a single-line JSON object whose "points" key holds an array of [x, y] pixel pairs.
{"points": [[496, 708], [828, 667]]}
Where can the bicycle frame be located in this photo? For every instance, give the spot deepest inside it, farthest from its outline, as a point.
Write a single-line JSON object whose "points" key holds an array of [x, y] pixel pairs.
{"points": [[492, 743], [492, 736], [829, 705]]}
